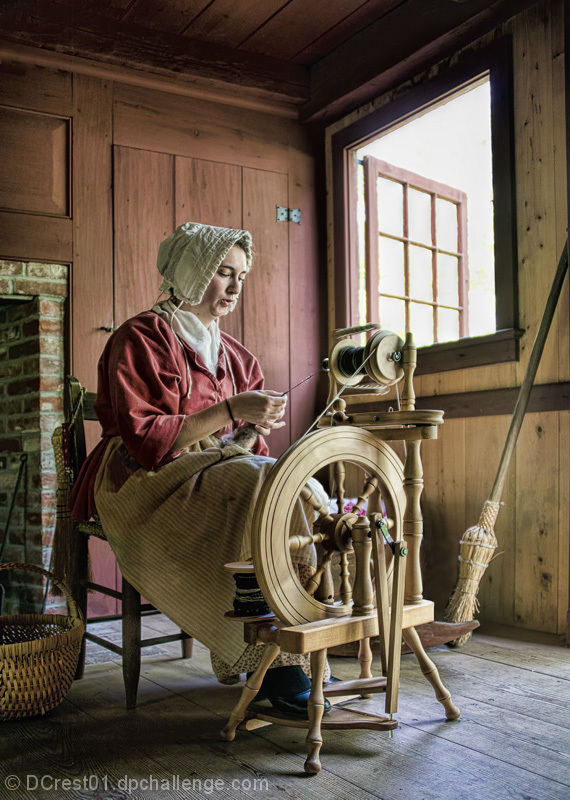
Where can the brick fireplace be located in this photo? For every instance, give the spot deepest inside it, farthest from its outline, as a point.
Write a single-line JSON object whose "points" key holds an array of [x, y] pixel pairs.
{"points": [[32, 368]]}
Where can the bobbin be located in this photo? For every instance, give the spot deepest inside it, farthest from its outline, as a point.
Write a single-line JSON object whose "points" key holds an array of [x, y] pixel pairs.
{"points": [[380, 360]]}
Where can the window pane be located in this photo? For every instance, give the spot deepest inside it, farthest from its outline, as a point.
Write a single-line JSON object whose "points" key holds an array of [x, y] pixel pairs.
{"points": [[392, 315], [390, 207], [447, 325], [446, 224], [421, 276], [447, 280], [419, 216], [391, 266], [421, 323]]}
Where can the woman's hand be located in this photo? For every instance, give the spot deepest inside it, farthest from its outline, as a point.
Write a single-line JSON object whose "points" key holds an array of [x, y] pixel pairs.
{"points": [[264, 409]]}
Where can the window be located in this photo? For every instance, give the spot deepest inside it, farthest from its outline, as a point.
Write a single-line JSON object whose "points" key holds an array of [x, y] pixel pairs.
{"points": [[419, 266], [415, 269]]}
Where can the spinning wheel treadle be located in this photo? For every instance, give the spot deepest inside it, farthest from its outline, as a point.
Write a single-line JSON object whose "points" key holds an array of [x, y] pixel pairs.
{"points": [[271, 542]]}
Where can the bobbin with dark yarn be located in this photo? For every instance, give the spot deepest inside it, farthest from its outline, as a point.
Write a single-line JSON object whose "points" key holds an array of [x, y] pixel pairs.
{"points": [[248, 600], [350, 359]]}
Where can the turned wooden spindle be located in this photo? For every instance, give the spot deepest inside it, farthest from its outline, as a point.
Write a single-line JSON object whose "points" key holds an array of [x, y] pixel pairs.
{"points": [[363, 595], [345, 584], [413, 483], [339, 472], [409, 363], [429, 670], [249, 691], [315, 708]]}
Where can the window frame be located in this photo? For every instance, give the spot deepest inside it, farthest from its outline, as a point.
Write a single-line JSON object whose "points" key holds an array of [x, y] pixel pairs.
{"points": [[496, 61], [373, 168]]}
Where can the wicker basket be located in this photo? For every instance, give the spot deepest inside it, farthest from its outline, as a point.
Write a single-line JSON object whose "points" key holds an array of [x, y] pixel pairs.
{"points": [[38, 655]]}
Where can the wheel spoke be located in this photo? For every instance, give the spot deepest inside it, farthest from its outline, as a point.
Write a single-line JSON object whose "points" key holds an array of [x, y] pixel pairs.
{"points": [[325, 590], [309, 497], [315, 581], [339, 472], [297, 542], [369, 488]]}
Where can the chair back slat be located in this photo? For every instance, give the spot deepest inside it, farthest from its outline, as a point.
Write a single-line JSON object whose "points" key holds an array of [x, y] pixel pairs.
{"points": [[74, 415], [89, 406]]}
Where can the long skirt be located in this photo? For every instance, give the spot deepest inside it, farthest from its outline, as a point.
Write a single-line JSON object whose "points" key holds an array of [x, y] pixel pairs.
{"points": [[173, 529]]}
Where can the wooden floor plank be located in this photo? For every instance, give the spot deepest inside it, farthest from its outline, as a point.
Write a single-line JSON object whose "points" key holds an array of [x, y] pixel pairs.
{"points": [[545, 659], [511, 743], [423, 712]]}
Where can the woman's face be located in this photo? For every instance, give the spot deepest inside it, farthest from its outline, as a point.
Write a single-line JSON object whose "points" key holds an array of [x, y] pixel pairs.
{"points": [[223, 290]]}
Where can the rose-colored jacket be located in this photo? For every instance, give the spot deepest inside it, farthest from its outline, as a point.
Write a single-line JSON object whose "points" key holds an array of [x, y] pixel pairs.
{"points": [[142, 395]]}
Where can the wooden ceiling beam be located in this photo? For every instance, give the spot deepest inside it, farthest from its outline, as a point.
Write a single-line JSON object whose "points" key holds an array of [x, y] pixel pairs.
{"points": [[403, 42], [69, 31]]}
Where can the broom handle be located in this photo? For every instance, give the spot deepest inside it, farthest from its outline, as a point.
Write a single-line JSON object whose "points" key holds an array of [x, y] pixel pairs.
{"points": [[529, 376]]}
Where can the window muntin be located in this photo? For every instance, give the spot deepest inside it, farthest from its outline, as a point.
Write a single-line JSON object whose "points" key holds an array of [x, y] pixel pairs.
{"points": [[415, 261]]}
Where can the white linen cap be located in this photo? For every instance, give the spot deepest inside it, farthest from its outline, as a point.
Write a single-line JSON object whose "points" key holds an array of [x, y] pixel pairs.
{"points": [[189, 258]]}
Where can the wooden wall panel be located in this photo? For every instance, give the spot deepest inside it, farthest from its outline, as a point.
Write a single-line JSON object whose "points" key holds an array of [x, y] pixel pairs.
{"points": [[483, 448], [535, 173], [537, 517], [443, 504], [210, 192], [143, 189], [34, 169], [308, 295], [563, 522], [92, 271], [31, 237], [152, 120], [37, 88], [560, 180], [266, 300]]}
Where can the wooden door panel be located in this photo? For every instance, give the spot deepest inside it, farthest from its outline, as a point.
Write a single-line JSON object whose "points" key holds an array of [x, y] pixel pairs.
{"points": [[92, 271], [144, 194], [266, 294], [210, 192]]}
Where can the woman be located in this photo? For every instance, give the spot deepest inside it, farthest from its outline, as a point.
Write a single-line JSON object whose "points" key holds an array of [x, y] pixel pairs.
{"points": [[171, 482]]}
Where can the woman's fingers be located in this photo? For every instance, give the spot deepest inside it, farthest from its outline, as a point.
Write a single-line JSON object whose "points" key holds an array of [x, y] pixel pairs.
{"points": [[263, 408], [265, 431]]}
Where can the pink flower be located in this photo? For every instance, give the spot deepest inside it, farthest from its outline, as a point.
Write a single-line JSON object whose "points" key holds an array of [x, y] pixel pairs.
{"points": [[348, 507]]}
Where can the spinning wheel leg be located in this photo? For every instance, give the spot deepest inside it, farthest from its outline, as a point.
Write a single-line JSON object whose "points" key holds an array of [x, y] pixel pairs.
{"points": [[365, 661], [251, 688], [316, 707], [429, 670]]}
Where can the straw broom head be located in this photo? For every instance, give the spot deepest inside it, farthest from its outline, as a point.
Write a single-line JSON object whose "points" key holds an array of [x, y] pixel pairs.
{"points": [[476, 550]]}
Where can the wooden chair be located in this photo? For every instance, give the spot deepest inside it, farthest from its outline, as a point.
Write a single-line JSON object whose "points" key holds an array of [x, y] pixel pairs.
{"points": [[79, 405]]}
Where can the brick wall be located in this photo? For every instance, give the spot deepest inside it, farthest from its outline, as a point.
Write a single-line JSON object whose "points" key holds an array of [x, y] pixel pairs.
{"points": [[32, 368]]}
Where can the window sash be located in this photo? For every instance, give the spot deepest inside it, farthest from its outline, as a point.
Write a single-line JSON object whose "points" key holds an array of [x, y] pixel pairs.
{"points": [[375, 168]]}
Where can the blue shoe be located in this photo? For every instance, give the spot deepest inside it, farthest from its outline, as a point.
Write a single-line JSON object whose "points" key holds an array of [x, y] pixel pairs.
{"points": [[288, 689]]}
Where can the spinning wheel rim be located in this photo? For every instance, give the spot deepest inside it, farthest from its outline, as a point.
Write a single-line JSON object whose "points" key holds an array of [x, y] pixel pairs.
{"points": [[274, 509]]}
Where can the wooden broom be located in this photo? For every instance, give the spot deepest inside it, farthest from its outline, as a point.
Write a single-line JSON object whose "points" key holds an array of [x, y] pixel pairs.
{"points": [[478, 544]]}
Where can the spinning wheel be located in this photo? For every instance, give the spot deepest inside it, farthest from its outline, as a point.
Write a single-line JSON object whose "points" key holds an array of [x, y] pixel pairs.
{"points": [[273, 546], [337, 605]]}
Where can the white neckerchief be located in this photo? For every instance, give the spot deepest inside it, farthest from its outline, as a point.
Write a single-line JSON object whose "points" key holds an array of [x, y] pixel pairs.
{"points": [[187, 326], [205, 341]]}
